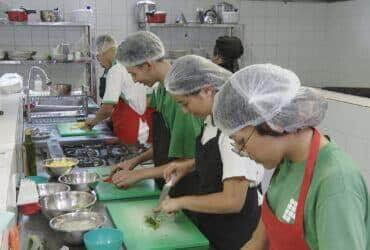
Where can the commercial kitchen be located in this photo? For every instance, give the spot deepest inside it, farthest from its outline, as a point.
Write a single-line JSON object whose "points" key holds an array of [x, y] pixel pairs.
{"points": [[184, 124]]}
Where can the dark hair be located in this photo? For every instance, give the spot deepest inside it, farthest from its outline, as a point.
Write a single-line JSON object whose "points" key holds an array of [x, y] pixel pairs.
{"points": [[142, 64], [230, 49], [265, 129]]}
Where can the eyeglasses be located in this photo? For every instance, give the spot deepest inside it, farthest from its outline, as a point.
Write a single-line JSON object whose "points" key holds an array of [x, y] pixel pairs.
{"points": [[238, 147]]}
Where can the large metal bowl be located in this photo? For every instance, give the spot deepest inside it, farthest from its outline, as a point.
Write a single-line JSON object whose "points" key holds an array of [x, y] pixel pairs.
{"points": [[48, 16], [80, 181], [66, 202], [20, 55], [72, 226], [46, 189], [60, 89], [57, 171]]}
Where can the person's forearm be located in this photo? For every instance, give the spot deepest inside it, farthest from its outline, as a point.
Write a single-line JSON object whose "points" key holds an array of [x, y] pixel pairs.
{"points": [[104, 112], [258, 240], [157, 172], [146, 156], [189, 164], [216, 203], [150, 173]]}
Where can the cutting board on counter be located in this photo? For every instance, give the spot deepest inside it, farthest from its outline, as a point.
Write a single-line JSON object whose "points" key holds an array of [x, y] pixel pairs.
{"points": [[173, 233], [108, 191], [75, 129]]}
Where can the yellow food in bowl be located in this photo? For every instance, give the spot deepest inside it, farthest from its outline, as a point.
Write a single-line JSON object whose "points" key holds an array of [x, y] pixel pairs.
{"points": [[61, 163]]}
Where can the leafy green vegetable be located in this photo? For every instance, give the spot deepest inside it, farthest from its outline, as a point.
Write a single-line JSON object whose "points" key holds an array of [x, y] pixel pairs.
{"points": [[152, 222]]}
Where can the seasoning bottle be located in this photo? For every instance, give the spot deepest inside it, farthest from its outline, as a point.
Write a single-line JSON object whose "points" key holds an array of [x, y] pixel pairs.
{"points": [[31, 169]]}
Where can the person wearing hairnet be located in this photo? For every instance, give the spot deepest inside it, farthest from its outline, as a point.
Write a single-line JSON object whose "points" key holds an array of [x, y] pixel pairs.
{"points": [[227, 51], [226, 203], [123, 100], [317, 198], [105, 54], [174, 132]]}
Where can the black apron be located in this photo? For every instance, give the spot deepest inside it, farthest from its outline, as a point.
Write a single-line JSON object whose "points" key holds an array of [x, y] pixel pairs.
{"points": [[103, 83], [161, 143], [224, 231]]}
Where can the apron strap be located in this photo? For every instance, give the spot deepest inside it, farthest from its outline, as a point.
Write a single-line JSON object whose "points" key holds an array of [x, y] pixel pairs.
{"points": [[309, 169]]}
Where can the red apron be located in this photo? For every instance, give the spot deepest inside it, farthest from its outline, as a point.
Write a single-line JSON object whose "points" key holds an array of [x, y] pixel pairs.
{"points": [[126, 122], [285, 236]]}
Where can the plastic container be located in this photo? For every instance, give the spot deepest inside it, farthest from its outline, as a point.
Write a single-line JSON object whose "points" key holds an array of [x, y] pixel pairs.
{"points": [[83, 16], [230, 16], [103, 239], [30, 209], [38, 179], [37, 83]]}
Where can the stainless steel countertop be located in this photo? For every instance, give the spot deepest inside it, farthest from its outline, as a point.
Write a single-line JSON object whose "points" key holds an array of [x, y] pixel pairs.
{"points": [[39, 225]]}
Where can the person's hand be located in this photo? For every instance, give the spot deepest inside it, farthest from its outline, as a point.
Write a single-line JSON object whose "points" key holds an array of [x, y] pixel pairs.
{"points": [[169, 205], [90, 123], [126, 178], [125, 165], [178, 169]]}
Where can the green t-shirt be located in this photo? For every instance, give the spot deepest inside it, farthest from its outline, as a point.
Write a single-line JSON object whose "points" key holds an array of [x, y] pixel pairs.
{"points": [[184, 128], [337, 208]]}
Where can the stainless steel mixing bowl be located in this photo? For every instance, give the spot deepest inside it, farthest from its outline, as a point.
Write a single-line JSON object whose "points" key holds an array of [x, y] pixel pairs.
{"points": [[66, 202], [72, 226]]}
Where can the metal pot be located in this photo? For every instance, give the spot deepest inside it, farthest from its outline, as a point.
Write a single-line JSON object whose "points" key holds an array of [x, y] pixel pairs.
{"points": [[157, 17], [142, 9], [20, 55], [51, 15], [60, 89], [19, 15], [210, 17]]}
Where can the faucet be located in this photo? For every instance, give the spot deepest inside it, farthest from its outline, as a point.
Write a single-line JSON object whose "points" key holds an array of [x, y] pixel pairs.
{"points": [[48, 82]]}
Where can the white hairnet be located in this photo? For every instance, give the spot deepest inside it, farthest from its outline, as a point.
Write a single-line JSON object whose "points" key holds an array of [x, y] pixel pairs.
{"points": [[140, 47], [190, 73], [267, 93], [104, 42]]}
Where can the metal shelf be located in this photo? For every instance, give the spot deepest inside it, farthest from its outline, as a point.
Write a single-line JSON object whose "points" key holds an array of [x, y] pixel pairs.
{"points": [[32, 62], [48, 24], [192, 25]]}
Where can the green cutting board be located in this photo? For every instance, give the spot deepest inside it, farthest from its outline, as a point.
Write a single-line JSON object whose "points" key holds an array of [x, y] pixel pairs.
{"points": [[69, 129], [109, 191], [173, 233], [102, 171]]}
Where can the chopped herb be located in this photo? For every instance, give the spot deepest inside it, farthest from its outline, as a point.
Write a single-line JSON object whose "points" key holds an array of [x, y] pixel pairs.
{"points": [[152, 222]]}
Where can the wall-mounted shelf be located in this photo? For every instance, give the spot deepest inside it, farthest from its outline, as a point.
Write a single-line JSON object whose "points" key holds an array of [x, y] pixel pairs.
{"points": [[191, 25], [32, 62], [48, 24], [89, 64]]}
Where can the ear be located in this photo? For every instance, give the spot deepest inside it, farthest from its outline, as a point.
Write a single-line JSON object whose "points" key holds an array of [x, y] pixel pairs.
{"points": [[217, 60], [147, 66], [208, 91]]}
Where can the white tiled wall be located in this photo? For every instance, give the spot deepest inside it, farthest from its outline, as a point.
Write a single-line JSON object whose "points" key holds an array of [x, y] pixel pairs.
{"points": [[348, 125], [292, 34], [325, 43], [349, 36]]}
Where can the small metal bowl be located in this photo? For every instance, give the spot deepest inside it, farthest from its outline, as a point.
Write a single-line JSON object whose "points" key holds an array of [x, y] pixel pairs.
{"points": [[80, 181], [58, 171], [73, 226], [46, 189], [66, 202]]}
